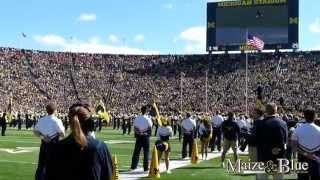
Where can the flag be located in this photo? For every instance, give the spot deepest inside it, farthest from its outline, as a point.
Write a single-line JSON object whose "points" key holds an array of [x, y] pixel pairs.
{"points": [[154, 166], [255, 42], [195, 153], [102, 112], [158, 117], [24, 35], [115, 168]]}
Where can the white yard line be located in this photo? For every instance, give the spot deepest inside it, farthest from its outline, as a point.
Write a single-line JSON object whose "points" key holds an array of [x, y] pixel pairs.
{"points": [[137, 174], [18, 162], [31, 142]]}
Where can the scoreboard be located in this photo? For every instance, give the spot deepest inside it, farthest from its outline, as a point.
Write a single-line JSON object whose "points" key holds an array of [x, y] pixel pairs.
{"points": [[276, 22]]}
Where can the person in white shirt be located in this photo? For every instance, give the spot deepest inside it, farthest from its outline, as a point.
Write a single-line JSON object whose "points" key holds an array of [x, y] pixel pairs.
{"points": [[216, 123], [142, 130], [163, 145], [49, 128], [306, 142], [188, 126]]}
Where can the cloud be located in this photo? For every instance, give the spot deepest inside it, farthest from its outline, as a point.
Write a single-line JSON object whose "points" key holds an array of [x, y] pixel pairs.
{"points": [[50, 40], [92, 45], [113, 39], [86, 17], [168, 6], [195, 39], [315, 26], [139, 38]]}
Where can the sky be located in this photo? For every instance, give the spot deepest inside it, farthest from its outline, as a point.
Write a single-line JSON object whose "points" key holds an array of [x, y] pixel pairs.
{"points": [[122, 26]]}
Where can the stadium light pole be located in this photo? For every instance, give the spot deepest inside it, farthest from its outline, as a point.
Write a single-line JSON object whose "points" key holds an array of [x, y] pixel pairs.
{"points": [[207, 91], [181, 92], [247, 33]]}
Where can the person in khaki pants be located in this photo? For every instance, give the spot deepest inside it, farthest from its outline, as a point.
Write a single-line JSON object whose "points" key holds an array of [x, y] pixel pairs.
{"points": [[231, 131]]}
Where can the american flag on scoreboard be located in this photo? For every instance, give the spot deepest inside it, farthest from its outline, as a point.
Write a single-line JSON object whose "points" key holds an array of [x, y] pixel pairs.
{"points": [[255, 42]]}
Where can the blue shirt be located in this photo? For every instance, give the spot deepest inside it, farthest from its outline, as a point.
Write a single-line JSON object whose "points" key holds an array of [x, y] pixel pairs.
{"points": [[67, 161]]}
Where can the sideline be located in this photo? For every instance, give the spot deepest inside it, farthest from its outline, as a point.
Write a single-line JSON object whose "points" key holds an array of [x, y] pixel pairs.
{"points": [[137, 174]]}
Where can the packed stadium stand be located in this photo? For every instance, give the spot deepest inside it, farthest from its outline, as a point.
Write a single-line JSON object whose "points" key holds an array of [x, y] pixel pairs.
{"points": [[125, 82]]}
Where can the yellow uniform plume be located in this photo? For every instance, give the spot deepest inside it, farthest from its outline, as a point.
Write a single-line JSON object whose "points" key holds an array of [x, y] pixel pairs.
{"points": [[195, 153], [102, 112], [115, 169], [158, 118], [259, 105], [154, 171]]}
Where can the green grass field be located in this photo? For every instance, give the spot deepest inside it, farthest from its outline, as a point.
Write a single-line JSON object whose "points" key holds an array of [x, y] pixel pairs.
{"points": [[15, 165]]}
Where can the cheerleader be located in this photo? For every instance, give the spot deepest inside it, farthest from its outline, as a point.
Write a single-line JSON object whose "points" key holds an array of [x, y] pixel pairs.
{"points": [[163, 146], [205, 132]]}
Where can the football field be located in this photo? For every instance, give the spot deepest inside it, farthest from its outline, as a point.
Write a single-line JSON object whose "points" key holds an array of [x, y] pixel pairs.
{"points": [[19, 155]]}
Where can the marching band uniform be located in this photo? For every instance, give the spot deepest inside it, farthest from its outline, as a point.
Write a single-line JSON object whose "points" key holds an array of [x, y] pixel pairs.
{"points": [[188, 126], [175, 124], [129, 124], [143, 127], [49, 128], [3, 123], [19, 121], [216, 123], [307, 137]]}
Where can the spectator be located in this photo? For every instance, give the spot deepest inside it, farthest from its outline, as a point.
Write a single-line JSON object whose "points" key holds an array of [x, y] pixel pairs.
{"points": [[271, 138], [80, 156]]}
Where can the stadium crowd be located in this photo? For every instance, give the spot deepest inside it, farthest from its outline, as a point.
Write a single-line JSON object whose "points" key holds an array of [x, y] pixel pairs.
{"points": [[127, 82], [30, 79]]}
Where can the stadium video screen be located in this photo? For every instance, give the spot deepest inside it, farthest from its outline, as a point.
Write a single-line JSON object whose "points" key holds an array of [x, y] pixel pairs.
{"points": [[230, 22], [269, 23]]}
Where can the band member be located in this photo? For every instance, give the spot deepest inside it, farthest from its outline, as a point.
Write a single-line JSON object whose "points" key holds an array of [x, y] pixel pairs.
{"points": [[142, 129], [174, 125], [129, 124], [27, 120], [49, 129], [114, 120], [205, 132], [124, 125], [99, 123], [244, 130], [19, 121], [216, 122], [271, 138], [305, 141], [179, 127], [156, 126], [188, 127], [231, 131], [3, 123], [163, 145], [119, 121]]}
